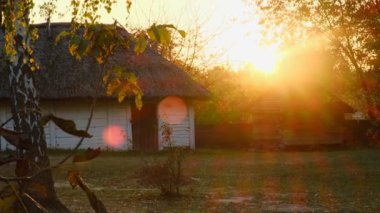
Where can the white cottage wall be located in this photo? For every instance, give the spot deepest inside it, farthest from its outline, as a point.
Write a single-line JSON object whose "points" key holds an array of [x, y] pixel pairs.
{"points": [[5, 114], [182, 133], [106, 113]]}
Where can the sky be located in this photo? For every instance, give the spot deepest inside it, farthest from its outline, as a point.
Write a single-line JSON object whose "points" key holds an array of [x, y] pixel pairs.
{"points": [[229, 26]]}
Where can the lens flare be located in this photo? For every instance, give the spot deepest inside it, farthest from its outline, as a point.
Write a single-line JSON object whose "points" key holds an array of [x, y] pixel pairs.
{"points": [[172, 110], [114, 136]]}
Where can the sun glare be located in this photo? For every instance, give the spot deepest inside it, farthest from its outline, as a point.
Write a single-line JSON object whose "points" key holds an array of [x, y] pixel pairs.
{"points": [[265, 60]]}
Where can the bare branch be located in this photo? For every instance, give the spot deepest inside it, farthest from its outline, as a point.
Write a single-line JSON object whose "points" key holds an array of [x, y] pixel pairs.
{"points": [[18, 196], [43, 209]]}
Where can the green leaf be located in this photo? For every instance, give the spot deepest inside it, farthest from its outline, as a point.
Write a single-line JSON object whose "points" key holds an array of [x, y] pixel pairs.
{"points": [[182, 33], [83, 47], [141, 44], [87, 156], [61, 35], [153, 33], [161, 33], [67, 126], [164, 35]]}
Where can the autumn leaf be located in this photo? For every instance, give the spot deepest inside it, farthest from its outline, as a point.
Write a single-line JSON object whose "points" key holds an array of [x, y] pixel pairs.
{"points": [[72, 177], [67, 126], [87, 156], [76, 180], [8, 199], [19, 140]]}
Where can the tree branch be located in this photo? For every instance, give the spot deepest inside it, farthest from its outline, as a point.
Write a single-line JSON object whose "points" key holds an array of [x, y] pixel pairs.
{"points": [[43, 209], [18, 197]]}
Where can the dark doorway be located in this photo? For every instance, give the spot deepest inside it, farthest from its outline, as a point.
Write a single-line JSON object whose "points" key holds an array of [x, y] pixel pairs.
{"points": [[144, 128]]}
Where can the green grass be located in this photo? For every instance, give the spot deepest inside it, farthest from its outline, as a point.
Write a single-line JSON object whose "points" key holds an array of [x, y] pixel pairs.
{"points": [[235, 181]]}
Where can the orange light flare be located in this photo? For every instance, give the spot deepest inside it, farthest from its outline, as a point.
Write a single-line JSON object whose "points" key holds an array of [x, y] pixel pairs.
{"points": [[172, 110], [270, 189], [298, 190], [216, 189], [114, 136], [323, 166], [244, 182]]}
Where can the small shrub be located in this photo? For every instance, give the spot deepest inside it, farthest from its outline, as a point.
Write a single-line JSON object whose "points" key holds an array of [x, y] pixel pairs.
{"points": [[168, 175]]}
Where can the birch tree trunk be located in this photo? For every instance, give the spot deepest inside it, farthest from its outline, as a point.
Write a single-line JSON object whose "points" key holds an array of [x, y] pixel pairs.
{"points": [[26, 113]]}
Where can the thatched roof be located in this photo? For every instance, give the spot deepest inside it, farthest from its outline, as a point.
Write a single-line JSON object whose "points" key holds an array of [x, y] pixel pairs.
{"points": [[61, 76]]}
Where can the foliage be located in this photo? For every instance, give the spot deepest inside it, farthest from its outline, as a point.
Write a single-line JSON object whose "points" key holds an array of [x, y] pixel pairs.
{"points": [[233, 95], [349, 30], [88, 155], [47, 9], [67, 126], [102, 41]]}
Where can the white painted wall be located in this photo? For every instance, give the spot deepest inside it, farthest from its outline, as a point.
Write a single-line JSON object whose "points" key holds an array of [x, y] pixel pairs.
{"points": [[106, 113], [183, 134], [5, 114]]}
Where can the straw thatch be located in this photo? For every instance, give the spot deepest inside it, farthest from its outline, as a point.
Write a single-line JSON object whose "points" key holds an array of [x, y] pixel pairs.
{"points": [[61, 76]]}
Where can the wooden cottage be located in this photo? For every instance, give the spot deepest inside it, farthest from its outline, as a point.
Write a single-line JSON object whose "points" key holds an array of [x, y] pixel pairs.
{"points": [[67, 86], [298, 119], [302, 108]]}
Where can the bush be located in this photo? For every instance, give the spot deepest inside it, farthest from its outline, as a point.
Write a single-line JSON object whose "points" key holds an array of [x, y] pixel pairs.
{"points": [[167, 175]]}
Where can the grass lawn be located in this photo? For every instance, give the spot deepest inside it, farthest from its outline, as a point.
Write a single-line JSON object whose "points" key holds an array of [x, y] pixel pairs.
{"points": [[235, 181]]}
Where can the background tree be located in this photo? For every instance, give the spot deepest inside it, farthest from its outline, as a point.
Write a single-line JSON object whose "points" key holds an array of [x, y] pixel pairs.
{"points": [[234, 93], [349, 30]]}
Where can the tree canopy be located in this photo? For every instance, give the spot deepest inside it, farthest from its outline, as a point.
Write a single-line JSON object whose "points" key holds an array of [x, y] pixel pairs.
{"points": [[348, 29]]}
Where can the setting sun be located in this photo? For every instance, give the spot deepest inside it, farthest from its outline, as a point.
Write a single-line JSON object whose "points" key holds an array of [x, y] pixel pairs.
{"points": [[265, 60]]}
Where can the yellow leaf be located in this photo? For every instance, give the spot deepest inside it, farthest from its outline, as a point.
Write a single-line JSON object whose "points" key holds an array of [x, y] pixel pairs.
{"points": [[8, 200], [72, 177]]}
